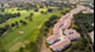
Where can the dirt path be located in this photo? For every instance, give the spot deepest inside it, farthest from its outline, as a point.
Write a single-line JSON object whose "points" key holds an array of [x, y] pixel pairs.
{"points": [[44, 48]]}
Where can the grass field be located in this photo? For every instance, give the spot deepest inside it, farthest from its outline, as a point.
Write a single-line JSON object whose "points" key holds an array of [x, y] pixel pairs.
{"points": [[31, 30]]}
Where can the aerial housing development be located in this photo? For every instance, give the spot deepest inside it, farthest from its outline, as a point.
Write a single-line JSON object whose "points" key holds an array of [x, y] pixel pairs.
{"points": [[46, 26], [62, 31]]}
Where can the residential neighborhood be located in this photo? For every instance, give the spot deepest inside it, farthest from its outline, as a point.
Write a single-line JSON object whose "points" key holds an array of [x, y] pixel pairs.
{"points": [[62, 30], [46, 25]]}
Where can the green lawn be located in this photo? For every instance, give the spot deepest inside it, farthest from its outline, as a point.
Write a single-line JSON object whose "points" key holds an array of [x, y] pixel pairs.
{"points": [[31, 30]]}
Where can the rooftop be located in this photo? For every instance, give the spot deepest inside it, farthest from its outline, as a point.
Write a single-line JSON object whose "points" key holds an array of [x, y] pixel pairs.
{"points": [[52, 38], [61, 44]]}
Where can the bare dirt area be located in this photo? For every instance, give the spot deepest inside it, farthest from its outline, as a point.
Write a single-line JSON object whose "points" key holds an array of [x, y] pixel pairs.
{"points": [[44, 48]]}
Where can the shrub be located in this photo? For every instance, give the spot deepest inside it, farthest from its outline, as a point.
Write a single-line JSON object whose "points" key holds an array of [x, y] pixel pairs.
{"points": [[36, 10], [50, 10], [13, 25], [42, 12], [41, 6]]}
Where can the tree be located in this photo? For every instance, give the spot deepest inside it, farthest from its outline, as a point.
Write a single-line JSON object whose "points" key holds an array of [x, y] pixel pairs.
{"points": [[3, 50], [53, 17], [41, 6], [1, 31], [30, 17], [18, 14], [23, 22], [7, 26], [33, 47], [81, 17], [17, 24], [13, 25], [50, 10], [21, 49], [42, 12], [2, 10], [63, 13], [31, 14], [36, 10], [48, 24]]}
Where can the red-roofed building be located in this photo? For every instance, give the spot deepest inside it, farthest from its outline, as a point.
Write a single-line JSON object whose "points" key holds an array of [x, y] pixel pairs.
{"points": [[52, 39], [68, 34], [72, 34], [62, 44]]}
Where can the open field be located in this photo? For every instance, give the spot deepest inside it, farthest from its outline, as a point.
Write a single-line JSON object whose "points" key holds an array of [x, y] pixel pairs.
{"points": [[31, 30]]}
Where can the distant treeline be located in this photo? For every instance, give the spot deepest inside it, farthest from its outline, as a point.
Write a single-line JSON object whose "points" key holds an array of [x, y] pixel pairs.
{"points": [[7, 16]]}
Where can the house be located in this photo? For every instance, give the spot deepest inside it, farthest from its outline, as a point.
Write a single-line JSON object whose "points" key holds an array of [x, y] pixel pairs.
{"points": [[67, 21], [52, 39], [71, 34], [55, 31], [62, 36], [68, 31], [62, 18], [57, 27], [66, 24], [62, 44]]}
